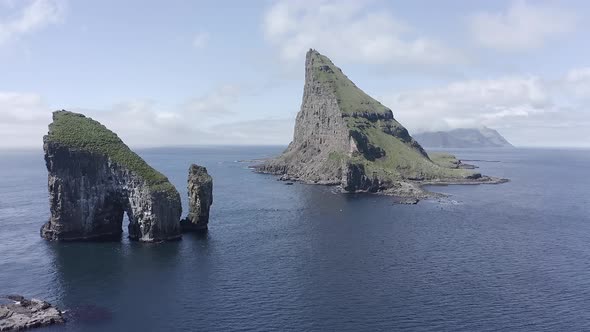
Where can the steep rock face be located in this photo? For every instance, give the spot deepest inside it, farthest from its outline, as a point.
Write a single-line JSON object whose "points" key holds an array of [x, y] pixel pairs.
{"points": [[319, 131], [343, 136], [200, 198], [94, 178]]}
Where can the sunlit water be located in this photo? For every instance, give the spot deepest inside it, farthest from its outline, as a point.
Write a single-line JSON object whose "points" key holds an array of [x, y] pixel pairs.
{"points": [[512, 257]]}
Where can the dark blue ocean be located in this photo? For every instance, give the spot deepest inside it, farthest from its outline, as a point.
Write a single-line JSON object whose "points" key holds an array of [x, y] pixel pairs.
{"points": [[509, 257]]}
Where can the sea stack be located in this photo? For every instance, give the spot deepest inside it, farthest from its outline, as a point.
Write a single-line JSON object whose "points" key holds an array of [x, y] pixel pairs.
{"points": [[94, 178], [344, 137], [200, 198]]}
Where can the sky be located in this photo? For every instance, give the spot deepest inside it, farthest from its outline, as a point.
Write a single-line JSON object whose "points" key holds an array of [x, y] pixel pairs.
{"points": [[170, 73]]}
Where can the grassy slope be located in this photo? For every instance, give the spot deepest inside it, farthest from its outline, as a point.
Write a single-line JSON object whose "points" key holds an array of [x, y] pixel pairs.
{"points": [[401, 160], [77, 131], [444, 159], [350, 98]]}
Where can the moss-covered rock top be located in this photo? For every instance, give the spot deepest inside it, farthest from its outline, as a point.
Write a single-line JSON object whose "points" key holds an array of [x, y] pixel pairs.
{"points": [[351, 99], [77, 131]]}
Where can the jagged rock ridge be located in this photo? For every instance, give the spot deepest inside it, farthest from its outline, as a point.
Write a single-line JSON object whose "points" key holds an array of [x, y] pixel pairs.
{"points": [[344, 137], [94, 178], [463, 138], [200, 198]]}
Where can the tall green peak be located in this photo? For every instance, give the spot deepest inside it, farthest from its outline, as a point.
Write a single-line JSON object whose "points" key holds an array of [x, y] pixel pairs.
{"points": [[345, 137], [351, 99]]}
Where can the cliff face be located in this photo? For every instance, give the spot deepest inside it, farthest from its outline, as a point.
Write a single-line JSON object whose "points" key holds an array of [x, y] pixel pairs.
{"points": [[200, 198], [319, 130], [94, 178], [463, 138], [345, 137]]}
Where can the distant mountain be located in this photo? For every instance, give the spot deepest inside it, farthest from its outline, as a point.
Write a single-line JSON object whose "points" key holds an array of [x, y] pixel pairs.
{"points": [[463, 138]]}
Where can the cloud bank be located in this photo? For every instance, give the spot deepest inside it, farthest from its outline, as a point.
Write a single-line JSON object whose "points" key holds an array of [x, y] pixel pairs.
{"points": [[523, 26], [350, 31], [550, 111], [204, 120], [32, 17]]}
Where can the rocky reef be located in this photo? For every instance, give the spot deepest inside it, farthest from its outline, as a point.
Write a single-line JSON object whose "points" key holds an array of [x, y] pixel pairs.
{"points": [[94, 179], [20, 314], [200, 196], [344, 137]]}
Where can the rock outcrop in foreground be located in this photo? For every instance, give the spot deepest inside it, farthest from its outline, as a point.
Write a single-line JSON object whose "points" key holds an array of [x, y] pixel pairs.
{"points": [[94, 178], [22, 314], [200, 198], [463, 138], [344, 137]]}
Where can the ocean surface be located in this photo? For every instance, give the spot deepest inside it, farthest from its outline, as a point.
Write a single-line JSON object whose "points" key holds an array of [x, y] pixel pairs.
{"points": [[509, 257]]}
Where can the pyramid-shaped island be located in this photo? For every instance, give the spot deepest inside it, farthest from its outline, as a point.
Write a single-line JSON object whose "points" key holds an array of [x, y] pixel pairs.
{"points": [[344, 137]]}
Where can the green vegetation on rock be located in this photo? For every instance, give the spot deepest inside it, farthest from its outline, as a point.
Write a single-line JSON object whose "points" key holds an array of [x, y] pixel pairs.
{"points": [[444, 159], [350, 98], [388, 151], [343, 136], [402, 160], [336, 156], [77, 131]]}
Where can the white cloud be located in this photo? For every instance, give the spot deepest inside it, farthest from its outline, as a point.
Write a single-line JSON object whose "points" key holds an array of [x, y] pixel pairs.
{"points": [[201, 40], [524, 26], [215, 103], [21, 107], [529, 111], [23, 119], [577, 81], [471, 103], [36, 15], [263, 131], [208, 119], [144, 123], [349, 30]]}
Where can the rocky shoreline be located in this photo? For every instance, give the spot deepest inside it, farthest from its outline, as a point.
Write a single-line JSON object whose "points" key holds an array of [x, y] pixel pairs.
{"points": [[402, 192], [21, 313]]}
